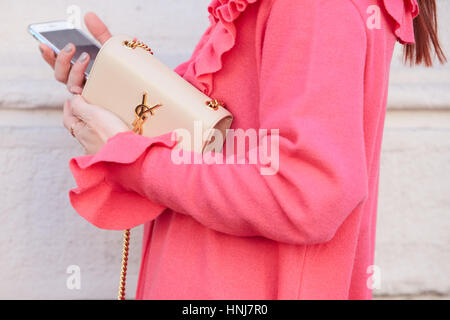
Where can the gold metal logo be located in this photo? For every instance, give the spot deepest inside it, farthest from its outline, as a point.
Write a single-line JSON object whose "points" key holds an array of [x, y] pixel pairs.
{"points": [[214, 104], [143, 112]]}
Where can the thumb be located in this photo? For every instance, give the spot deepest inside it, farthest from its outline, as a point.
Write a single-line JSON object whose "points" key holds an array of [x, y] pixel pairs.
{"points": [[83, 110], [96, 27]]}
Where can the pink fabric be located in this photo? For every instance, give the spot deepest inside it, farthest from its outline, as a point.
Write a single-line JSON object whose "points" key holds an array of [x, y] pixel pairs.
{"points": [[308, 68], [403, 12]]}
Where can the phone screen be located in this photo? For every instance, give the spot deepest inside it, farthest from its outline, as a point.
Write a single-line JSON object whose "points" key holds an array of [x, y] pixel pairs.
{"points": [[59, 38]]}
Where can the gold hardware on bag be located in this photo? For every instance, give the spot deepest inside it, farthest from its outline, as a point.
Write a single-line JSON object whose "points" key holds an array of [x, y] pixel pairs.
{"points": [[123, 273], [124, 69], [142, 112], [133, 44], [214, 104]]}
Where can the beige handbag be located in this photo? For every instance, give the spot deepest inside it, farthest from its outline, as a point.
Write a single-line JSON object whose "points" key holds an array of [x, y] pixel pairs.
{"points": [[152, 99], [128, 80]]}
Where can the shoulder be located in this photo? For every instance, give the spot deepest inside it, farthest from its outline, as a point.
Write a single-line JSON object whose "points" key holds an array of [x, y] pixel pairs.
{"points": [[322, 5], [394, 17], [326, 10], [333, 16]]}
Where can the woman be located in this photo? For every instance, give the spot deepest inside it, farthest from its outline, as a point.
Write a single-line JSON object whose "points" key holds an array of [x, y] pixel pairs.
{"points": [[315, 70]]}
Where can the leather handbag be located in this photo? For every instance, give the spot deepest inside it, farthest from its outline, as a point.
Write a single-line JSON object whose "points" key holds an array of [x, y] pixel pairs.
{"points": [[129, 81], [152, 100]]}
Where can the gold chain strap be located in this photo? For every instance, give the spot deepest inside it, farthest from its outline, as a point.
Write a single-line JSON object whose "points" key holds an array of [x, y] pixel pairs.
{"points": [[142, 112], [214, 104], [133, 44], [123, 274]]}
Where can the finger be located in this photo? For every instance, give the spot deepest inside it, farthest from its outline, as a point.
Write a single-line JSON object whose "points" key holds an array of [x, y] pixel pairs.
{"points": [[76, 90], [76, 75], [96, 27], [62, 63], [81, 109], [77, 129], [68, 118], [48, 54]]}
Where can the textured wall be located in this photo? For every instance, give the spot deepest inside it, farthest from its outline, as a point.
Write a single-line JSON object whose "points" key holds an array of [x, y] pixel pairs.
{"points": [[41, 235]]}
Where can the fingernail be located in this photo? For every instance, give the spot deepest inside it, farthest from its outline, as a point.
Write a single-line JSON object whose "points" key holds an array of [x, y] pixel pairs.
{"points": [[68, 47], [76, 90], [83, 57]]}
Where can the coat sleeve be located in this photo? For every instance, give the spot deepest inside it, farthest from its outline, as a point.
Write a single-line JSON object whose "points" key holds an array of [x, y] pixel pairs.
{"points": [[311, 82]]}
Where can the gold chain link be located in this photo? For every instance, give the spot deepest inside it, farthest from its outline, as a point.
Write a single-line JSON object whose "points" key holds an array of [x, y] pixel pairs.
{"points": [[123, 274], [133, 44], [214, 104]]}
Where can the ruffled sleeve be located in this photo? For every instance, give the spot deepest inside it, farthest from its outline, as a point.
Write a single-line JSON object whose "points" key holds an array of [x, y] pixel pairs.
{"points": [[218, 39], [402, 13], [99, 197], [319, 174], [102, 197]]}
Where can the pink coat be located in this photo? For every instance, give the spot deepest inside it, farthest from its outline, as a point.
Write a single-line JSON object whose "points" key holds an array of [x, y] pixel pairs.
{"points": [[317, 71]]}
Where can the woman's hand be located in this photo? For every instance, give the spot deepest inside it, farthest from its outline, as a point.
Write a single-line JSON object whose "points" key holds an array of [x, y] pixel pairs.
{"points": [[91, 125], [73, 76]]}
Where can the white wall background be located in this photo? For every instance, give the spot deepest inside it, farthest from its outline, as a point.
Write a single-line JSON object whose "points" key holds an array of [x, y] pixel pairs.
{"points": [[41, 235]]}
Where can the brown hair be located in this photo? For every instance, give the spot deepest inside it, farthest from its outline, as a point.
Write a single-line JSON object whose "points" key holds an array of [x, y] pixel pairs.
{"points": [[426, 37]]}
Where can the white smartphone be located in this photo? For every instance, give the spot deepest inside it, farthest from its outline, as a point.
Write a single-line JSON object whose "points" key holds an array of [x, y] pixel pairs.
{"points": [[57, 34]]}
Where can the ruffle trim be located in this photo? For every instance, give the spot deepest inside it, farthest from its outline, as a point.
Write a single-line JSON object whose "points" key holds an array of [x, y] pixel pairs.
{"points": [[403, 13], [99, 198], [219, 38]]}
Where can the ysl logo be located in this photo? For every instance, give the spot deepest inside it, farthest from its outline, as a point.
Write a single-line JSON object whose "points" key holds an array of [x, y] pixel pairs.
{"points": [[142, 112]]}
